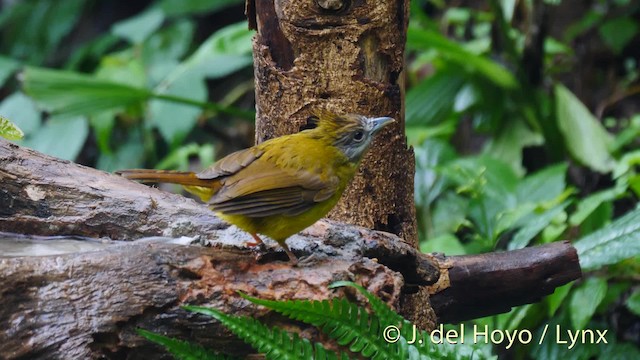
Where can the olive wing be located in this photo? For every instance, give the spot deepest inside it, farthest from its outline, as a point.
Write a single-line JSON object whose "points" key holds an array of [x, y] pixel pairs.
{"points": [[262, 189]]}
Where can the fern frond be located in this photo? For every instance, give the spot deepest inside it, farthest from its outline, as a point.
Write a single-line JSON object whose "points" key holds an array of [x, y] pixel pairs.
{"points": [[182, 350], [343, 321], [422, 342], [273, 342]]}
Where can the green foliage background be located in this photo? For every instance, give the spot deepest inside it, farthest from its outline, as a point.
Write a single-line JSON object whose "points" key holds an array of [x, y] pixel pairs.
{"points": [[517, 142]]}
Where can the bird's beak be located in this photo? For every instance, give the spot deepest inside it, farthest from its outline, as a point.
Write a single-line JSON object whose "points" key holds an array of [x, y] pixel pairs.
{"points": [[379, 123]]}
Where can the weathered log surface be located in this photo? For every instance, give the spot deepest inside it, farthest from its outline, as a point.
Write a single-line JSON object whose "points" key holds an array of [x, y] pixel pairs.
{"points": [[88, 304], [474, 286]]}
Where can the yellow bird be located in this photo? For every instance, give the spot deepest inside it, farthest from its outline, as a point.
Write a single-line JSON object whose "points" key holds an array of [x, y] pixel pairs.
{"points": [[283, 185]]}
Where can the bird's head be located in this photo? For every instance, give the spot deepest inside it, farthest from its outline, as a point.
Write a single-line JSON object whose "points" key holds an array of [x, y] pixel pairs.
{"points": [[352, 134]]}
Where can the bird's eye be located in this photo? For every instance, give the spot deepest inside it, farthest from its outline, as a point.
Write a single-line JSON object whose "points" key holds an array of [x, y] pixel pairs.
{"points": [[358, 136]]}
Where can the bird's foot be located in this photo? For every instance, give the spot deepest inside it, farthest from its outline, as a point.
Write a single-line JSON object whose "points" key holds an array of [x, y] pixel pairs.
{"points": [[257, 241]]}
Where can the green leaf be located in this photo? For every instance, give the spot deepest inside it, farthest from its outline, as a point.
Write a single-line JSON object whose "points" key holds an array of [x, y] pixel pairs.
{"points": [[130, 155], [22, 111], [136, 29], [449, 214], [9, 130], [273, 342], [103, 124], [557, 298], [343, 321], [182, 350], [585, 137], [431, 101], [543, 185], [615, 242], [176, 8], [7, 67], [179, 159], [124, 68], [226, 51], [633, 302], [32, 30], [71, 94], [447, 244], [162, 51], [420, 39], [428, 183], [174, 120], [585, 300], [589, 204], [618, 32], [508, 144], [60, 137], [534, 225]]}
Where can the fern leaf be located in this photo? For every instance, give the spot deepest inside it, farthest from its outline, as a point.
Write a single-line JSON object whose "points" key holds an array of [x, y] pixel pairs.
{"points": [[273, 342], [343, 321], [422, 342], [182, 350]]}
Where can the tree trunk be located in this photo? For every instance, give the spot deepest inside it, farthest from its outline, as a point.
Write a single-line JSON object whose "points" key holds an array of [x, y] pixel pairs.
{"points": [[346, 56]]}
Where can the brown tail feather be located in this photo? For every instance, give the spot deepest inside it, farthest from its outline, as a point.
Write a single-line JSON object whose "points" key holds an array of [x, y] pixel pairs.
{"points": [[167, 176]]}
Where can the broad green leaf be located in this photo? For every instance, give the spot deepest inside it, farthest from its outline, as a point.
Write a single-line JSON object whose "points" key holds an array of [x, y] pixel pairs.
{"points": [[33, 30], [22, 112], [420, 39], [124, 68], [102, 124], [130, 155], [162, 51], [534, 225], [71, 94], [618, 32], [176, 8], [509, 142], [615, 242], [136, 29], [633, 302], [428, 183], [447, 244], [60, 137], [449, 214], [557, 298], [174, 120], [431, 101], [585, 137], [224, 52], [7, 67], [543, 185], [9, 130], [588, 205], [585, 300]]}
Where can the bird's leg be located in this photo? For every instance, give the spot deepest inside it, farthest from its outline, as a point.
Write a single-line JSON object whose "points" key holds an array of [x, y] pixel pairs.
{"points": [[257, 239], [292, 257]]}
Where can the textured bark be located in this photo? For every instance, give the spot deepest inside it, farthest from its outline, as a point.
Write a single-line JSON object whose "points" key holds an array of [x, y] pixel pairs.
{"points": [[88, 304], [347, 56]]}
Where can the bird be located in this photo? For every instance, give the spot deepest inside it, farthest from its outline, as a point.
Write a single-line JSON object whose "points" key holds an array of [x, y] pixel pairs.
{"points": [[283, 185]]}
